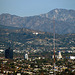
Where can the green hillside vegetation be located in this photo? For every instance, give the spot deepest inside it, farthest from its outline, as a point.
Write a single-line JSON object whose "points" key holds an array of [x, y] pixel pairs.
{"points": [[21, 38]]}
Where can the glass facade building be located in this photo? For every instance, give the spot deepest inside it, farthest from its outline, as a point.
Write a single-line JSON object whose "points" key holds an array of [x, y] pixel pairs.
{"points": [[9, 53]]}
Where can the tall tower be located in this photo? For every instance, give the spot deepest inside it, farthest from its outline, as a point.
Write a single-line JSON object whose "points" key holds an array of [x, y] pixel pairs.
{"points": [[54, 40]]}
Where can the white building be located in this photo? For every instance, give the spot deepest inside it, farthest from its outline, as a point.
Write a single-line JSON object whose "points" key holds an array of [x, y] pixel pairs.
{"points": [[36, 33], [26, 56], [18, 73], [1, 50], [55, 56], [59, 55], [72, 57]]}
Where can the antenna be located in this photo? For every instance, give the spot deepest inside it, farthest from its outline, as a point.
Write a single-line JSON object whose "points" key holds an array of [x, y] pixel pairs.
{"points": [[54, 40]]}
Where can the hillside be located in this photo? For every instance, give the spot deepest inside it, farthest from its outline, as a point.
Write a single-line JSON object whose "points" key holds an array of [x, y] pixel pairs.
{"points": [[64, 21], [21, 38]]}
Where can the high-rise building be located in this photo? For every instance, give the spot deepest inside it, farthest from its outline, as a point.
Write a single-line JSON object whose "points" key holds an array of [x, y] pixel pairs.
{"points": [[9, 53], [26, 56]]}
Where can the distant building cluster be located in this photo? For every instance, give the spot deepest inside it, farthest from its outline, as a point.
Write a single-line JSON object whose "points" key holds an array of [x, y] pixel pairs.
{"points": [[29, 65], [9, 54], [59, 56]]}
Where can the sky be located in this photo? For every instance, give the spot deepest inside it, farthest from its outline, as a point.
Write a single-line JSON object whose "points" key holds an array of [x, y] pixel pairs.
{"points": [[33, 7]]}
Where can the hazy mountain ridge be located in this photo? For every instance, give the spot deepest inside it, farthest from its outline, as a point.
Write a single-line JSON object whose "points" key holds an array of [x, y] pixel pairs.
{"points": [[64, 21]]}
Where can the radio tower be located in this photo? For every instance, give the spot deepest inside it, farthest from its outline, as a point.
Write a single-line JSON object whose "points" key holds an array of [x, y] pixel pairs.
{"points": [[54, 40]]}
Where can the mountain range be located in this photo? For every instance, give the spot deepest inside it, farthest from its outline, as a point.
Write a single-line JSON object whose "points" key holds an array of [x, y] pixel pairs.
{"points": [[64, 21]]}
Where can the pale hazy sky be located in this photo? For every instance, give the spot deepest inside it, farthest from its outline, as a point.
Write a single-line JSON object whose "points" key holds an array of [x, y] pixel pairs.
{"points": [[33, 7]]}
